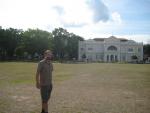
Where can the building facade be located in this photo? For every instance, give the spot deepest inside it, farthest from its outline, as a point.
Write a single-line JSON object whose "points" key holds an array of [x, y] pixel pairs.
{"points": [[110, 49]]}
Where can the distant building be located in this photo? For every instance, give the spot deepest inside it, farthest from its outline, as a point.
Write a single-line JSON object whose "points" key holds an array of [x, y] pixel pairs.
{"points": [[110, 49]]}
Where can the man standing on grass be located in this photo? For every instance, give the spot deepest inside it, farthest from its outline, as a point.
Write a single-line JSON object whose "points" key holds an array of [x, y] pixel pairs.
{"points": [[44, 79]]}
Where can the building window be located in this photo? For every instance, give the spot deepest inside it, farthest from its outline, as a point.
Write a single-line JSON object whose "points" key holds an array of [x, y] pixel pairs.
{"points": [[97, 56], [90, 49], [139, 49], [112, 48], [130, 50], [112, 57], [116, 58], [124, 58], [81, 49], [107, 57]]}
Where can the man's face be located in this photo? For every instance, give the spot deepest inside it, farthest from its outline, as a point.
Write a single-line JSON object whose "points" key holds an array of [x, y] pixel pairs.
{"points": [[48, 56]]}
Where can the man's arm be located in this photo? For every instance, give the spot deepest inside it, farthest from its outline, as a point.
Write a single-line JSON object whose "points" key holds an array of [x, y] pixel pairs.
{"points": [[52, 66], [37, 80], [38, 76]]}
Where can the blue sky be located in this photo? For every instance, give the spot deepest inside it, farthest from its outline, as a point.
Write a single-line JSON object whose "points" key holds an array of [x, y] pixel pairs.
{"points": [[134, 13], [88, 18]]}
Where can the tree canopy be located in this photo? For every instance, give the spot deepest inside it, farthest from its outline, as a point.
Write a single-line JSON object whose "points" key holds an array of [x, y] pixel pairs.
{"points": [[16, 43], [65, 44], [147, 49]]}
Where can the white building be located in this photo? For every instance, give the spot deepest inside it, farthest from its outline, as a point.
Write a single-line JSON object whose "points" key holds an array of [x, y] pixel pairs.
{"points": [[110, 49]]}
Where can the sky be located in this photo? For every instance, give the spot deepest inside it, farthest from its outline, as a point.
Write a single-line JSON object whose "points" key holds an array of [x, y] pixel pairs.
{"points": [[88, 18]]}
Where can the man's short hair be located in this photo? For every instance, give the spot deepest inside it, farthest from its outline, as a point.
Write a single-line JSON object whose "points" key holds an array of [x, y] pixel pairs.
{"points": [[47, 51]]}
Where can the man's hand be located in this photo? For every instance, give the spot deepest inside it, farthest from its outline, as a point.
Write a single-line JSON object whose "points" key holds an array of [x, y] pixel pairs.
{"points": [[38, 85]]}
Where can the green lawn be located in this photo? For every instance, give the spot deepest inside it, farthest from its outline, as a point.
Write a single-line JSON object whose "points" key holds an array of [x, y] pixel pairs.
{"points": [[14, 73], [115, 88]]}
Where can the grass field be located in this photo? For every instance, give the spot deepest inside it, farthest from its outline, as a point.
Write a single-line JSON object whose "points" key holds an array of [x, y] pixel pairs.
{"points": [[77, 88]]}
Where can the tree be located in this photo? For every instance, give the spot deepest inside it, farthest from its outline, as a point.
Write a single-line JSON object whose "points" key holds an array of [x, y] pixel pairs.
{"points": [[65, 44], [146, 49], [60, 42], [83, 56], [9, 40], [36, 41], [72, 47], [134, 57], [33, 42], [19, 52]]}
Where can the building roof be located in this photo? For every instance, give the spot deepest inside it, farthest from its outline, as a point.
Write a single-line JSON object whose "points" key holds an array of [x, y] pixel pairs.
{"points": [[102, 39], [99, 39]]}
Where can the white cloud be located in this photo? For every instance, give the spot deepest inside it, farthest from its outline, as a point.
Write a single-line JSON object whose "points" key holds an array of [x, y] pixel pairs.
{"points": [[87, 18], [75, 13], [116, 17], [43, 13], [99, 9], [27, 14]]}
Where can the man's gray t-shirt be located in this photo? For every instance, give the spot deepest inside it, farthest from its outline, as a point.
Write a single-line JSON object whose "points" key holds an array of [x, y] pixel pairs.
{"points": [[45, 69]]}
